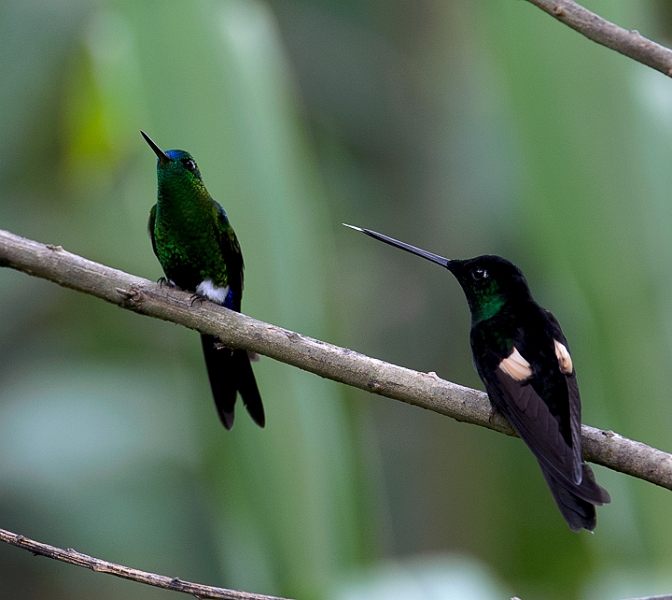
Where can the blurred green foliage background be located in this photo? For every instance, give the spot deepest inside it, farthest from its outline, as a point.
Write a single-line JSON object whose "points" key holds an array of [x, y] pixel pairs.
{"points": [[462, 127]]}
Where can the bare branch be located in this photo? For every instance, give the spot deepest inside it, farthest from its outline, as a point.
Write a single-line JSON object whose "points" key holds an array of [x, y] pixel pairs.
{"points": [[326, 360], [78, 559], [627, 42]]}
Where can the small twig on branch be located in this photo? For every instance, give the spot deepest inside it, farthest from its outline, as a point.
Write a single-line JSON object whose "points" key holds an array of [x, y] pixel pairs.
{"points": [[340, 364], [627, 42], [78, 559]]}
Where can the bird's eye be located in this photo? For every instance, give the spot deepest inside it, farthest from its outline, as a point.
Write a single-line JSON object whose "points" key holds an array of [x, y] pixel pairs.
{"points": [[479, 274], [189, 164]]}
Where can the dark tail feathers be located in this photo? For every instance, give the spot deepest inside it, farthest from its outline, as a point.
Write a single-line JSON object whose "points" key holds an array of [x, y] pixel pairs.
{"points": [[577, 511], [230, 372]]}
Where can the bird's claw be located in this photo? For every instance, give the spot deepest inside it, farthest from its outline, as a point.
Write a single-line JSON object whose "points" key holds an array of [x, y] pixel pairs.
{"points": [[494, 411], [197, 298], [167, 282]]}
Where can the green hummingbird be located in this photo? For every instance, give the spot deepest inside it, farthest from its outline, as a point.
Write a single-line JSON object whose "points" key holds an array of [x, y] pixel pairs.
{"points": [[522, 356], [199, 253]]}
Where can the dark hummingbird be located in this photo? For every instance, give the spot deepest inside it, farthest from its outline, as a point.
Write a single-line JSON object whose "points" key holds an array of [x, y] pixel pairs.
{"points": [[199, 253], [523, 358]]}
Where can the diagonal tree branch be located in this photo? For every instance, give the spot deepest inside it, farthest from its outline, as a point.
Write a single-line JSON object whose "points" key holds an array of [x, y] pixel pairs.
{"points": [[627, 42], [326, 360], [78, 559]]}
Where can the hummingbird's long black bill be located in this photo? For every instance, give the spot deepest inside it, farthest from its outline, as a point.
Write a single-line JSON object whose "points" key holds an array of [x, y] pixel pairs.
{"points": [[435, 258], [163, 157]]}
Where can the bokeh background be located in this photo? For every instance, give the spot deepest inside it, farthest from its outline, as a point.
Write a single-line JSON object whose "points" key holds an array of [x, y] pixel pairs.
{"points": [[462, 127]]}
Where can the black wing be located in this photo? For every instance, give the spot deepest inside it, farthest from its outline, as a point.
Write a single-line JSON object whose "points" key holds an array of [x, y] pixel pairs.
{"points": [[233, 257], [230, 371], [150, 227], [545, 407], [530, 417], [571, 414]]}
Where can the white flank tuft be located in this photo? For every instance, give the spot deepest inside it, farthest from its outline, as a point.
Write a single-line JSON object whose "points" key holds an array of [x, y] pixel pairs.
{"points": [[212, 292]]}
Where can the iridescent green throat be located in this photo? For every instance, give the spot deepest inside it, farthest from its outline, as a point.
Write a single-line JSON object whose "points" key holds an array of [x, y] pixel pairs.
{"points": [[485, 304]]}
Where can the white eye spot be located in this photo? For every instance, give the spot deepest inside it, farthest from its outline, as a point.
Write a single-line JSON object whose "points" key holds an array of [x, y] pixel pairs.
{"points": [[479, 273], [564, 359], [189, 164], [515, 366]]}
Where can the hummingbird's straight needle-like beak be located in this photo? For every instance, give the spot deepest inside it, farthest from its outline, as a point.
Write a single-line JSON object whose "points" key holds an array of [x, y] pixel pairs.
{"points": [[435, 258], [163, 157]]}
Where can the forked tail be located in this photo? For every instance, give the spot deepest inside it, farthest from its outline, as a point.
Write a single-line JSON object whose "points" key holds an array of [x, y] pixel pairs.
{"points": [[230, 373]]}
